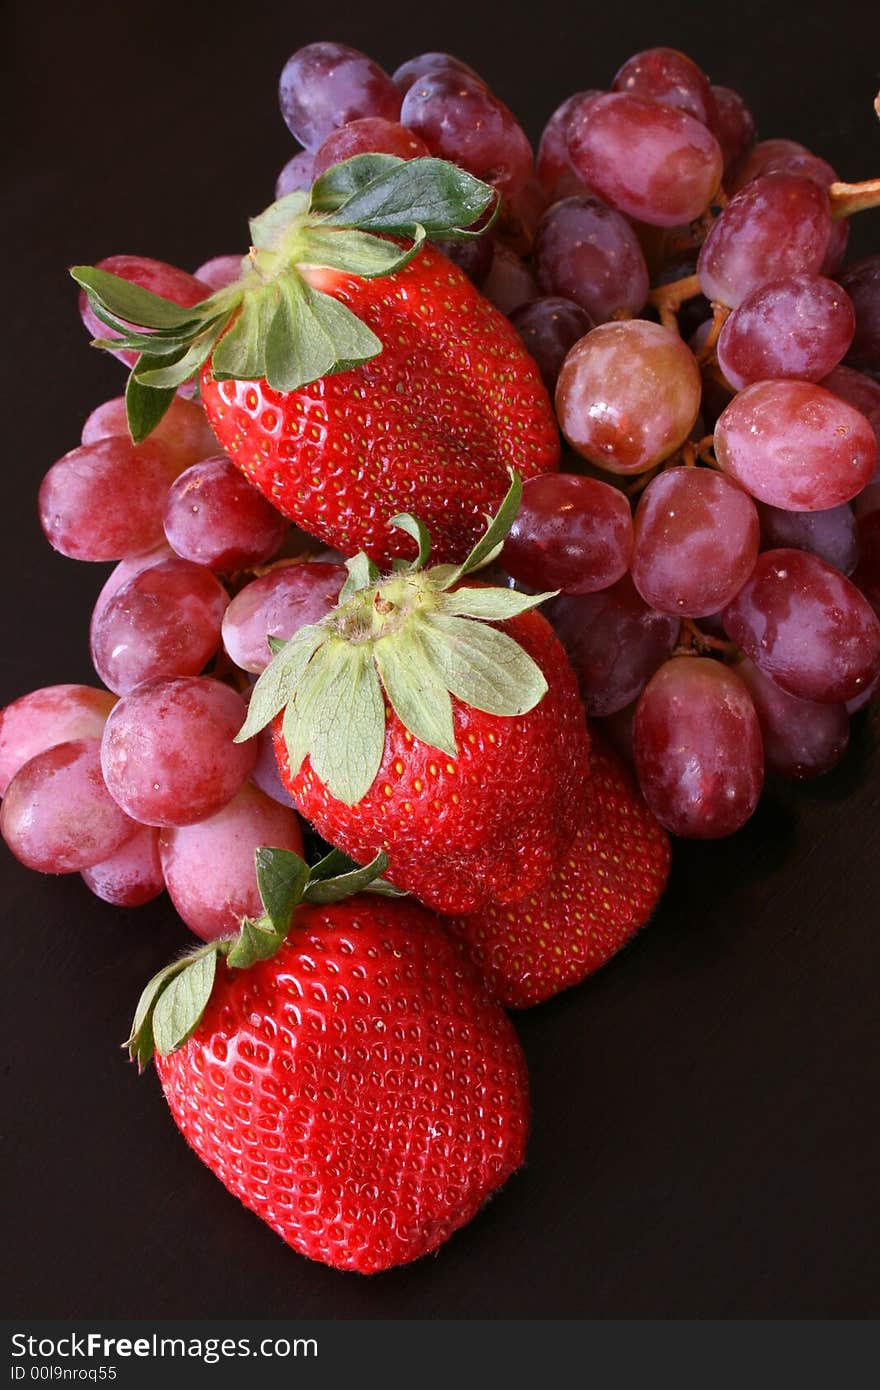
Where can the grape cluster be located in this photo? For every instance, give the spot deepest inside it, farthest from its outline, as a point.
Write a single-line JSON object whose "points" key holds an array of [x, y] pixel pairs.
{"points": [[714, 537]]}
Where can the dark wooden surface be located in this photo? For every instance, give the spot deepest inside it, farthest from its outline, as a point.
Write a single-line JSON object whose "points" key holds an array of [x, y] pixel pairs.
{"points": [[705, 1110]]}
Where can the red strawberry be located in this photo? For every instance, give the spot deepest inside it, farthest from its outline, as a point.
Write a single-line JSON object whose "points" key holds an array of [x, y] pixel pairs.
{"points": [[358, 1090], [603, 890], [439, 723], [348, 381]]}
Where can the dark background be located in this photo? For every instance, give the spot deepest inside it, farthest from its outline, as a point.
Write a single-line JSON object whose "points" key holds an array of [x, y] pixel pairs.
{"points": [[705, 1110]]}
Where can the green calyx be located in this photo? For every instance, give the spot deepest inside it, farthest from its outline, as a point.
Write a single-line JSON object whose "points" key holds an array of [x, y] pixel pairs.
{"points": [[171, 1006], [413, 638], [272, 323]]}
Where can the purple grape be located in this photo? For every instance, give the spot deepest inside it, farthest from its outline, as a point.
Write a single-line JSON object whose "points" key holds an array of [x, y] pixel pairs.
{"points": [[570, 533], [587, 252], [132, 875], [326, 85], [735, 131], [552, 164], [671, 78], [802, 739], [795, 445], [862, 283], [777, 226], [473, 256], [461, 120], [218, 272], [509, 282], [104, 501], [425, 64], [859, 391], [831, 534], [696, 541], [614, 641], [43, 718], [800, 327], [698, 751], [549, 328], [806, 626], [297, 174], [652, 162]]}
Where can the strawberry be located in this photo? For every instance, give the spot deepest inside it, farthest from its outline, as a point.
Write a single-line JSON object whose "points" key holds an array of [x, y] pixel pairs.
{"points": [[348, 375], [341, 1068], [602, 891], [436, 721]]}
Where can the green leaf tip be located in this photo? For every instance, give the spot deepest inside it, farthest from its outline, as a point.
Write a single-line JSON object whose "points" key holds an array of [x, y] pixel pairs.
{"points": [[172, 1004]]}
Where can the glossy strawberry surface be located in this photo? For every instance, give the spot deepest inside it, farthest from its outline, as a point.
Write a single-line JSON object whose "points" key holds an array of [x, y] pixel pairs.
{"points": [[431, 425], [601, 892], [359, 1091], [487, 825]]}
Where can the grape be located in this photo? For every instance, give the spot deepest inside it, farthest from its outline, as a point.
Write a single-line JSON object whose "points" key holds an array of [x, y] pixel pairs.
{"points": [[214, 517], [278, 604], [806, 626], [473, 256], [164, 621], [326, 85], [614, 641], [43, 718], [735, 131], [104, 501], [652, 162], [802, 739], [57, 815], [219, 272], [866, 575], [297, 174], [460, 120], [133, 875], [862, 283], [552, 164], [162, 279], [570, 533], [696, 541], [859, 391], [521, 214], [209, 867], [697, 746], [424, 63], [628, 395], [671, 78], [509, 282], [549, 327], [777, 226], [868, 501], [795, 445], [587, 252], [867, 695], [168, 753], [370, 135], [127, 569], [183, 432], [831, 534], [265, 774], [785, 157], [617, 729], [800, 326]]}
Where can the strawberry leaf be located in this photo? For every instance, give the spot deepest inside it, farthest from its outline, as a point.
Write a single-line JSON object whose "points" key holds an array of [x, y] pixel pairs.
{"points": [[429, 193], [416, 689], [488, 547], [182, 1002], [336, 877], [420, 534], [343, 726], [145, 406], [281, 879], [483, 667], [338, 183], [277, 682], [241, 352], [269, 229], [361, 574], [130, 302], [492, 605], [360, 253]]}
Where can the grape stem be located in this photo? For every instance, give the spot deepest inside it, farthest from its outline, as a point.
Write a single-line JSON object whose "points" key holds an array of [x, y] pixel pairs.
{"points": [[847, 198], [694, 642], [696, 451], [720, 314], [668, 299]]}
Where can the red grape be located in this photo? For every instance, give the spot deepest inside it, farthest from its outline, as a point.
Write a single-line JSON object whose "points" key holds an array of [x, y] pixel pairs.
{"points": [[461, 120], [866, 575], [549, 327], [859, 391], [370, 135], [104, 501], [831, 535], [43, 718], [570, 533], [806, 626], [164, 621], [785, 157], [552, 164], [265, 774], [133, 875], [509, 283], [209, 867], [795, 445], [698, 751], [777, 226], [183, 431], [168, 753], [628, 395], [219, 272], [696, 541], [735, 131], [862, 283], [800, 326], [57, 815], [614, 641], [587, 252], [214, 517], [162, 279], [278, 604], [326, 85], [297, 174], [802, 739], [670, 77], [652, 162], [424, 63]]}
